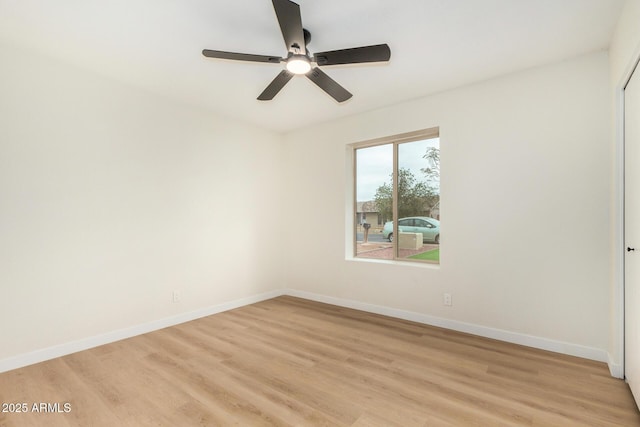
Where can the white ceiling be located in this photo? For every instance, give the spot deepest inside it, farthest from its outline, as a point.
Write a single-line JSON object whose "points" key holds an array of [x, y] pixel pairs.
{"points": [[435, 45]]}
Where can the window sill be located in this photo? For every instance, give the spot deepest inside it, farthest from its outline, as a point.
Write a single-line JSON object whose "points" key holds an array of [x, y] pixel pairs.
{"points": [[396, 262]]}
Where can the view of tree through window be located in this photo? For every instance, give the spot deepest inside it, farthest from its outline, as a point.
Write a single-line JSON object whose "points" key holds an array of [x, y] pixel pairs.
{"points": [[408, 190]]}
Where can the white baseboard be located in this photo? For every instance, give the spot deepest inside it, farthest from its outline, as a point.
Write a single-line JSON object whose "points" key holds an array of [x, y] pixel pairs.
{"points": [[499, 334], [483, 331], [616, 369], [109, 337]]}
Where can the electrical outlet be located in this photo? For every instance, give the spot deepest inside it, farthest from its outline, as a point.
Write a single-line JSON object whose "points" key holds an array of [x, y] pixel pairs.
{"points": [[176, 296], [446, 299]]}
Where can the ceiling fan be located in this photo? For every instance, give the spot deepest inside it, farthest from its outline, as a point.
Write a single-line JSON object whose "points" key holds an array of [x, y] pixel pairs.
{"points": [[300, 61]]}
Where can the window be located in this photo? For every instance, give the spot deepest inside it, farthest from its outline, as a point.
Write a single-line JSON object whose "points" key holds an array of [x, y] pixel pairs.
{"points": [[398, 177]]}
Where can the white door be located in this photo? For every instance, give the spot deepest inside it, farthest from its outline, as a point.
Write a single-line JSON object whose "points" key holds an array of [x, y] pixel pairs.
{"points": [[632, 234]]}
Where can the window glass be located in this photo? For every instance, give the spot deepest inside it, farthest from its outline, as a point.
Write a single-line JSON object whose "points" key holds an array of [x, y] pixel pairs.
{"points": [[405, 222], [418, 196], [399, 179], [374, 169]]}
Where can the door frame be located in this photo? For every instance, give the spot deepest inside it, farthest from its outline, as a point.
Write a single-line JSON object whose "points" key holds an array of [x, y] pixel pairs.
{"points": [[616, 364]]}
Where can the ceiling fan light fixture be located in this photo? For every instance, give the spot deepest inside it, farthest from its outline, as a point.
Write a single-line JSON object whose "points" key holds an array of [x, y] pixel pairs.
{"points": [[298, 64]]}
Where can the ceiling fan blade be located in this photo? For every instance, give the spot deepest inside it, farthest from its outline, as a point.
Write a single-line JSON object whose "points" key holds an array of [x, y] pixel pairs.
{"points": [[240, 56], [275, 86], [356, 55], [290, 21], [329, 85]]}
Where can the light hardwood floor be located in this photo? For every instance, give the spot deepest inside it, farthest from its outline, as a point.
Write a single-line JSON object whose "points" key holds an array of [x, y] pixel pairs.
{"points": [[289, 361]]}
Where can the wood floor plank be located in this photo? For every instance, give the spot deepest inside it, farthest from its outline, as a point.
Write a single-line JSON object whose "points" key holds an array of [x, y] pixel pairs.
{"points": [[294, 362]]}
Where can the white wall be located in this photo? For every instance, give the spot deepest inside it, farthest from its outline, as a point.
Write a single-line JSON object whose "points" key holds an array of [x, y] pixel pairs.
{"points": [[526, 175], [625, 44], [111, 198]]}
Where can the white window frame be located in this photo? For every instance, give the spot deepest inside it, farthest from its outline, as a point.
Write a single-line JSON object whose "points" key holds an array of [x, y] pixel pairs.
{"points": [[396, 140]]}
